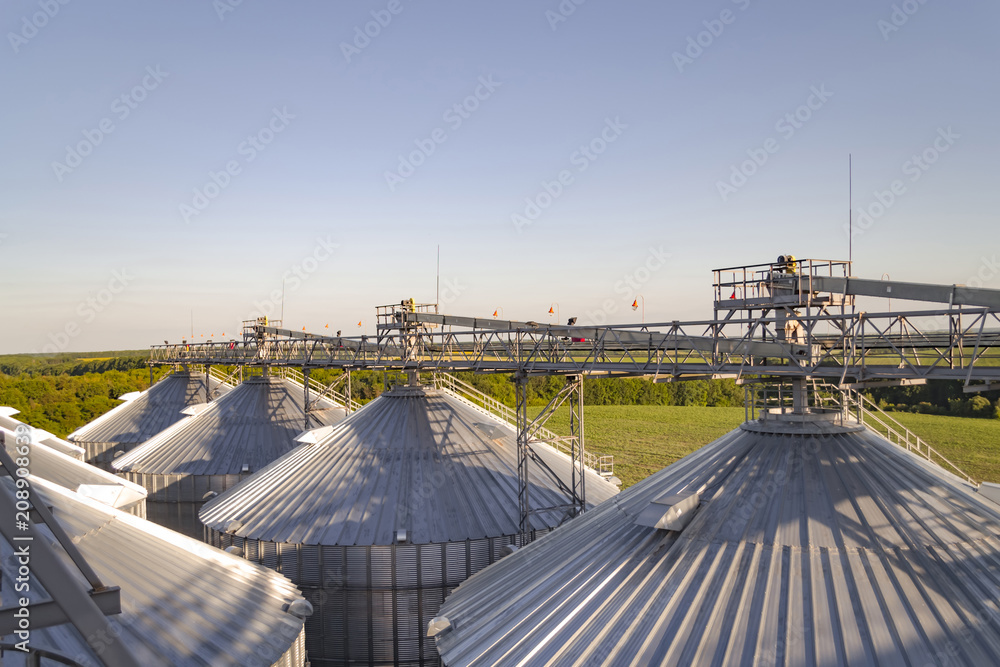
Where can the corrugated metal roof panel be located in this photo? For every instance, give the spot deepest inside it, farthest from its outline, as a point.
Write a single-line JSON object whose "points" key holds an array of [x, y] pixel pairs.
{"points": [[413, 459], [8, 422], [58, 468], [183, 602], [151, 412], [251, 426], [836, 549]]}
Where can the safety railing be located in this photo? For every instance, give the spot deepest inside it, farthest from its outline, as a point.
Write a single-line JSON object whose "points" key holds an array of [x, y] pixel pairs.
{"points": [[603, 465], [329, 392], [882, 423], [758, 284], [777, 398]]}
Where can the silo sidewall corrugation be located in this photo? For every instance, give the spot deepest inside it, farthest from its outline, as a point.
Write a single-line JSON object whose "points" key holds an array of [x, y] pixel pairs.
{"points": [[371, 604], [174, 500]]}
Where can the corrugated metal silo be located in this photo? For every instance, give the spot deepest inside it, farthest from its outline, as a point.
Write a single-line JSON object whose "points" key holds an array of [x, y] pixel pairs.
{"points": [[8, 422], [143, 416], [781, 543], [225, 442], [183, 602], [381, 518], [75, 475]]}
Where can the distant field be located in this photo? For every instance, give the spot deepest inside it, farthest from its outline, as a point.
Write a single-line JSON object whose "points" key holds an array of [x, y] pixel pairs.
{"points": [[646, 438]]}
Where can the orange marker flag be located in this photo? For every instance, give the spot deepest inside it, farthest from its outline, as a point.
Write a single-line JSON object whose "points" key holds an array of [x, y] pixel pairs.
{"points": [[495, 312], [551, 311], [327, 326], [303, 328], [359, 324], [635, 304]]}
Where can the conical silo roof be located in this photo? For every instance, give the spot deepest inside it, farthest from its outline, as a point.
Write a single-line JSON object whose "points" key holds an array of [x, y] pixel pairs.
{"points": [[8, 422], [70, 473], [240, 433], [778, 546], [415, 459], [151, 411], [183, 603]]}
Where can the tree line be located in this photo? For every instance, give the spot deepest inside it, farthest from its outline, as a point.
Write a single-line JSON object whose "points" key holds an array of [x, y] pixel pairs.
{"points": [[60, 393]]}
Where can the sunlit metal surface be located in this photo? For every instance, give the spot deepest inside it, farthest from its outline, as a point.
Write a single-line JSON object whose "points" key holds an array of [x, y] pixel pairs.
{"points": [[132, 423], [811, 546], [380, 519], [8, 422], [228, 441], [68, 472], [183, 602]]}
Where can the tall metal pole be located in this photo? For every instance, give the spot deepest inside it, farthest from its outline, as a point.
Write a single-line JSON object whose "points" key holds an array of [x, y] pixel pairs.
{"points": [[850, 215]]}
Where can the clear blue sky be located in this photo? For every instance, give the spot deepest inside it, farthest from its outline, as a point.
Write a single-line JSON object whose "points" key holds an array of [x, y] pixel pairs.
{"points": [[338, 118]]}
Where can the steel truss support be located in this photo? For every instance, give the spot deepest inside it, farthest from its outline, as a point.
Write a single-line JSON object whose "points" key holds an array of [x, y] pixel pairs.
{"points": [[71, 602], [305, 397], [528, 459]]}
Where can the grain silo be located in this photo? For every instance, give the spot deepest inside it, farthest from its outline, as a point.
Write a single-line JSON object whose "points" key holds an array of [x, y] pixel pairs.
{"points": [[384, 515], [144, 414], [70, 473], [182, 602], [226, 441], [795, 540], [8, 422]]}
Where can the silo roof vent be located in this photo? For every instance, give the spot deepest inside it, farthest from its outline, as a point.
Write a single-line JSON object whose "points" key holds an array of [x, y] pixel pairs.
{"points": [[670, 512]]}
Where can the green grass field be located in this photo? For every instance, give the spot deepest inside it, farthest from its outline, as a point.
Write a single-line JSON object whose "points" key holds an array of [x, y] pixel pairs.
{"points": [[646, 438], [971, 444]]}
